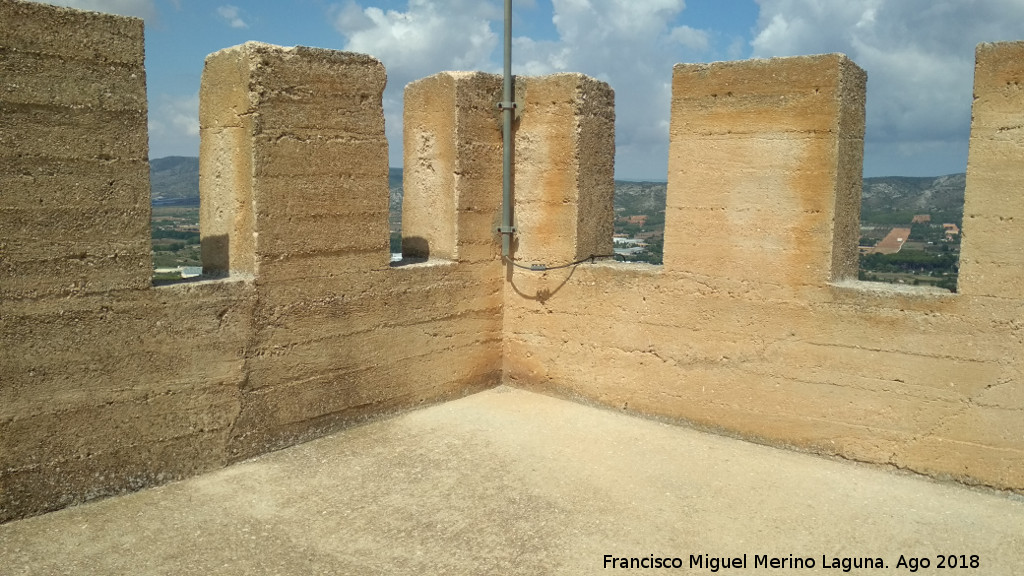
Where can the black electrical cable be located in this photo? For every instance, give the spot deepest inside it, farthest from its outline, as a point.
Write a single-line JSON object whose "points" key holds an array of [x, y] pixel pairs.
{"points": [[544, 268]]}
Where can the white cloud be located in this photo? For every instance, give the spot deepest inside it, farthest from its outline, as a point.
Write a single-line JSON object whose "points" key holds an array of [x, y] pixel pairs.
{"points": [[174, 125], [919, 55], [736, 48], [145, 9], [696, 40], [632, 46], [232, 15], [629, 44], [429, 37]]}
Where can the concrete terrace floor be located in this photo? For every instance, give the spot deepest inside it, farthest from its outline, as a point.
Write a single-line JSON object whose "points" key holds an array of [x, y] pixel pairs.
{"points": [[510, 482]]}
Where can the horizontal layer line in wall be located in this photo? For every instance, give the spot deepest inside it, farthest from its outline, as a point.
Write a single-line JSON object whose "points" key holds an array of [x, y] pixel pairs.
{"points": [[133, 423], [126, 59], [427, 363], [41, 166], [39, 393], [114, 227], [289, 212], [74, 83], [852, 380], [122, 448], [737, 198], [91, 267], [314, 136], [68, 157], [684, 132], [47, 196], [905, 356], [345, 391], [777, 334], [273, 346], [22, 250], [42, 115], [31, 403]]}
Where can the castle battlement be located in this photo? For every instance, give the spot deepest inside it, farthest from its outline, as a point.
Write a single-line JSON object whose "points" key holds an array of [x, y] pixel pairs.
{"points": [[755, 326]]}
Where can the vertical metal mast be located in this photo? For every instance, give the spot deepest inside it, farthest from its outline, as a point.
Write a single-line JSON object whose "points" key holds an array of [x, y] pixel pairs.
{"points": [[507, 106]]}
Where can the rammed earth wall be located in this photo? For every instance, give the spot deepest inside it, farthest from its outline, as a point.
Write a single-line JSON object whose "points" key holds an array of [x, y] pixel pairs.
{"points": [[109, 384], [752, 327], [755, 326]]}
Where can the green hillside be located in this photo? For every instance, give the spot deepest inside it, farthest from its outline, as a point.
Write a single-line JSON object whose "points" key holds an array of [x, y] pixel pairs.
{"points": [[885, 200], [174, 179]]}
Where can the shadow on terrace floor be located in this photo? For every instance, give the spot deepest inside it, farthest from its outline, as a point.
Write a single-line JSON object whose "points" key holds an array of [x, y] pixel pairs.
{"points": [[509, 482]]}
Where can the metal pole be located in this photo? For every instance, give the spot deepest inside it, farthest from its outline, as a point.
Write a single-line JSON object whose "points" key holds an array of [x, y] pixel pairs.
{"points": [[507, 106]]}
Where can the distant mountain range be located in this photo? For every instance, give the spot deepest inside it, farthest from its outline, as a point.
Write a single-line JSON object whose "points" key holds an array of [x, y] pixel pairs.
{"points": [[639, 197], [176, 179], [887, 199], [942, 197]]}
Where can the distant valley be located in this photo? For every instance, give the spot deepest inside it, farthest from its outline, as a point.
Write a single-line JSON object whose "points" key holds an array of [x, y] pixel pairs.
{"points": [[176, 179], [909, 226]]}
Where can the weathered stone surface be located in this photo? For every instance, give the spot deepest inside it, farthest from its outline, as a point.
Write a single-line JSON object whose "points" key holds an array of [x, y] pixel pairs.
{"points": [[71, 34], [751, 329], [298, 156], [49, 82], [453, 174], [429, 218], [103, 394], [766, 135], [992, 253], [48, 183], [74, 207], [112, 385], [564, 169]]}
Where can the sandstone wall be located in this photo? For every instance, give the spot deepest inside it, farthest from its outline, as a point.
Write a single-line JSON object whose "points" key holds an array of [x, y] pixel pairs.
{"points": [[564, 169], [73, 144], [992, 261], [105, 383], [297, 165], [563, 166], [109, 384], [752, 326]]}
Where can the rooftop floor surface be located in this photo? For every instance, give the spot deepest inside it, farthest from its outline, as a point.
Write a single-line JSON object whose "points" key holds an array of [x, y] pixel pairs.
{"points": [[511, 482]]}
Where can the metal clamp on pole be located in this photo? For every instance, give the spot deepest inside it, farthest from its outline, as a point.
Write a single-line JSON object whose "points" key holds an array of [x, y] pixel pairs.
{"points": [[506, 230], [506, 106]]}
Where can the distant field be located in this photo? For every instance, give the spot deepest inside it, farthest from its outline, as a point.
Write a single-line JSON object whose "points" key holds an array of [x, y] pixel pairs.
{"points": [[175, 236], [189, 212], [886, 203]]}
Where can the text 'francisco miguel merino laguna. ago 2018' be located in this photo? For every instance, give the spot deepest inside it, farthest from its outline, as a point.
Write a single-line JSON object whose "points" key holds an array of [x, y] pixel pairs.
{"points": [[716, 563]]}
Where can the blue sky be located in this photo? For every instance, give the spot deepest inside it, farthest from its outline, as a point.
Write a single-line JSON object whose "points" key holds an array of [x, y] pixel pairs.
{"points": [[919, 55]]}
